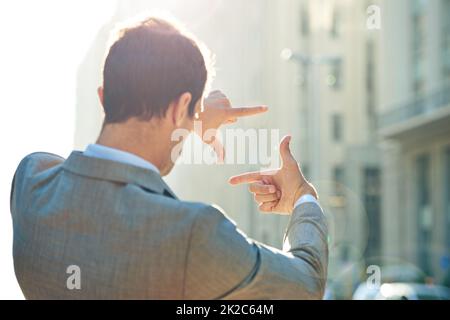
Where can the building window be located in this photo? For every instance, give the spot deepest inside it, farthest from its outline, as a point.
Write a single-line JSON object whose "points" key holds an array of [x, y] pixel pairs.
{"points": [[304, 20], [334, 78], [372, 204], [418, 46], [337, 127], [339, 180], [370, 85], [305, 170], [447, 195], [446, 40], [265, 237], [424, 212], [335, 23]]}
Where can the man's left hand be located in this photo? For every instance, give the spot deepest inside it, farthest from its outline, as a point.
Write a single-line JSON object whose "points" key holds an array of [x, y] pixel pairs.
{"points": [[217, 112]]}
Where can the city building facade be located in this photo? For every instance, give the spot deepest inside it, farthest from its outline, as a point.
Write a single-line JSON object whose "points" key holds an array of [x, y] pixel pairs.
{"points": [[414, 123]]}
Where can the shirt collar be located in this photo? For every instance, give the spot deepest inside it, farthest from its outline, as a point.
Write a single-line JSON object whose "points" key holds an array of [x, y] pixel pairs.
{"points": [[112, 154]]}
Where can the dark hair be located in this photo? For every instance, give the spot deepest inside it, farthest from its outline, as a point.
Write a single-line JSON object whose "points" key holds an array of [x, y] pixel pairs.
{"points": [[149, 66]]}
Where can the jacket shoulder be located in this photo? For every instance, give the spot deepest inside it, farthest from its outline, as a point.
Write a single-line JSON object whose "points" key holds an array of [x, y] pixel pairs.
{"points": [[39, 161], [31, 165]]}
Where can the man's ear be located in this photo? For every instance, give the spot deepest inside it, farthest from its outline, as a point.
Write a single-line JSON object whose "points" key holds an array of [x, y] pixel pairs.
{"points": [[180, 109], [100, 94]]}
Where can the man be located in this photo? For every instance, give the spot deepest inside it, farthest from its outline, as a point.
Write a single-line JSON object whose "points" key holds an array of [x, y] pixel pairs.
{"points": [[104, 225]]}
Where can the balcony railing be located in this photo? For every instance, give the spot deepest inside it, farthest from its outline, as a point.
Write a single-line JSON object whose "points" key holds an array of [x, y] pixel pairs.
{"points": [[418, 107]]}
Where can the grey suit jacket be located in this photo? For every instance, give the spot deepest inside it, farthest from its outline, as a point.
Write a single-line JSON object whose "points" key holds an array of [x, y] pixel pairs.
{"points": [[131, 238]]}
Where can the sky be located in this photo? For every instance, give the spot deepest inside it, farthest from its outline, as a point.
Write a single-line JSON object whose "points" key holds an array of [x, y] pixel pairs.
{"points": [[41, 45]]}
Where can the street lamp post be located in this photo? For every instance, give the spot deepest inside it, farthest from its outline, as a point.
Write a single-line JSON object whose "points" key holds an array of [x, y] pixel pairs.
{"points": [[311, 64]]}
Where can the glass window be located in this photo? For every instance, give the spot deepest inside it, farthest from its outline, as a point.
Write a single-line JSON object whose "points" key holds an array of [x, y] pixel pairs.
{"points": [[447, 194], [445, 18], [418, 45], [334, 78], [337, 127], [370, 85], [335, 23], [339, 180], [304, 20], [424, 211], [372, 205], [305, 170]]}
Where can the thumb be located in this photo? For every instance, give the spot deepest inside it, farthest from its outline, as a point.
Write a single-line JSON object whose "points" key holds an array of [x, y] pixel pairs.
{"points": [[219, 149], [285, 151]]}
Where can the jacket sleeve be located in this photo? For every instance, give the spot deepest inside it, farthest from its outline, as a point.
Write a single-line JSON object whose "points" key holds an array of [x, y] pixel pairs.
{"points": [[223, 263]]}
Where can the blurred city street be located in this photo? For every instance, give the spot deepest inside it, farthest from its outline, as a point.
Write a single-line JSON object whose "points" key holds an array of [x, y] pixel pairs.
{"points": [[362, 86]]}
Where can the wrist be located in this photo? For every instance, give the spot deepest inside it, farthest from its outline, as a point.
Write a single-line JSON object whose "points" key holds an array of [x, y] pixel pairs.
{"points": [[305, 189], [304, 194]]}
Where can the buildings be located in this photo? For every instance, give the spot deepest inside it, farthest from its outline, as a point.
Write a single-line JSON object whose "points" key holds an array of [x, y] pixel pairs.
{"points": [[368, 109], [330, 89], [414, 122]]}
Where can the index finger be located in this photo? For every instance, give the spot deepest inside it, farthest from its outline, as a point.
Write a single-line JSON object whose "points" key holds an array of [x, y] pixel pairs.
{"points": [[249, 177], [260, 188], [246, 111]]}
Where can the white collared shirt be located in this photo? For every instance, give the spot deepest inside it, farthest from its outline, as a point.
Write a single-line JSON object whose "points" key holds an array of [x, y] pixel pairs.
{"points": [[112, 154]]}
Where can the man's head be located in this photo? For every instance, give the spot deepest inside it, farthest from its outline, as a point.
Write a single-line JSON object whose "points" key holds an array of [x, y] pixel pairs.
{"points": [[154, 78]]}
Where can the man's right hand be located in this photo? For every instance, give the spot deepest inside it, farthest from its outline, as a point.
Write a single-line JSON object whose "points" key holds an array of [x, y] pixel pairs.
{"points": [[278, 190]]}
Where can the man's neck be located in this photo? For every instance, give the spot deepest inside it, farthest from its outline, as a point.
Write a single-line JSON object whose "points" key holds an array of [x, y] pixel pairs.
{"points": [[139, 138]]}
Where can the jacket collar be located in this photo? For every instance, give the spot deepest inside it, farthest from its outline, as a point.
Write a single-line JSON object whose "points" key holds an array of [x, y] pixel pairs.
{"points": [[102, 169]]}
